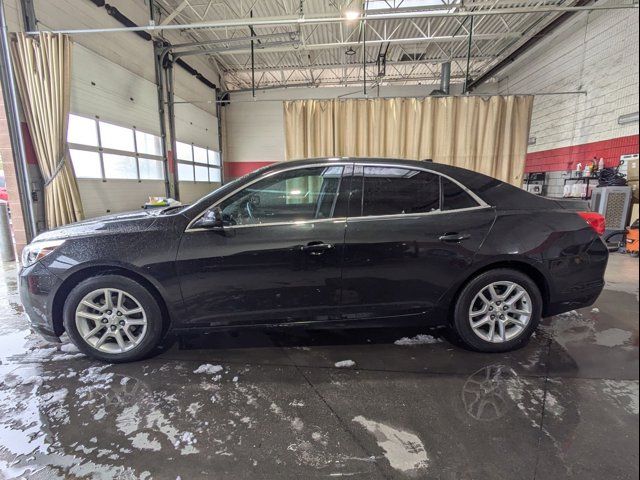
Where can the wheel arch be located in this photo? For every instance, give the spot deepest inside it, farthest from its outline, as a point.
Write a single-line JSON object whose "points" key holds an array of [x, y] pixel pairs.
{"points": [[519, 265], [75, 278]]}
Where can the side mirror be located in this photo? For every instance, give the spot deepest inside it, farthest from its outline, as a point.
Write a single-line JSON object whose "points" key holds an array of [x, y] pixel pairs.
{"points": [[211, 220]]}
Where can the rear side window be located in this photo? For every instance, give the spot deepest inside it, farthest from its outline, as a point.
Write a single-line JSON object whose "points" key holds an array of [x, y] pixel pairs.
{"points": [[454, 197], [396, 191]]}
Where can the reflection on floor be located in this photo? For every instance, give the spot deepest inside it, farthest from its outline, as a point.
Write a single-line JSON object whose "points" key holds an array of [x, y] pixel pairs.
{"points": [[278, 406]]}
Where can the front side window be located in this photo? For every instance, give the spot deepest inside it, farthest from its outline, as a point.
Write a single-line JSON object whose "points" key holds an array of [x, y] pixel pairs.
{"points": [[398, 190], [293, 196]]}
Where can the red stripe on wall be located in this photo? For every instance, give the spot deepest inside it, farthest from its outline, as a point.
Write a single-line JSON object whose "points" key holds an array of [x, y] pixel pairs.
{"points": [[29, 151], [566, 158], [238, 169]]}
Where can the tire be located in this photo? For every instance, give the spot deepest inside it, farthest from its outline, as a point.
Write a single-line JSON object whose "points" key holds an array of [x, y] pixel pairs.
{"points": [[516, 328], [137, 322]]}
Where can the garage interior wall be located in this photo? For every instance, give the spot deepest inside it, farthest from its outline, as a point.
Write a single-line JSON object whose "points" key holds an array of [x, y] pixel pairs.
{"points": [[113, 78], [597, 53]]}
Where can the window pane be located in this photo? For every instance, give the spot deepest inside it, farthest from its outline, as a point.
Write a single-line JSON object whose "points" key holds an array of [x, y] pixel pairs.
{"points": [[214, 175], [201, 174], [185, 172], [150, 169], [82, 130], [86, 164], [200, 154], [297, 195], [119, 166], [148, 144], [118, 138], [393, 191], [454, 198], [183, 151], [214, 157]]}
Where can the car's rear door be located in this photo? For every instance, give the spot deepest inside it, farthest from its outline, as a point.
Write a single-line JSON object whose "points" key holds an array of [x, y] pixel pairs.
{"points": [[278, 258], [408, 240]]}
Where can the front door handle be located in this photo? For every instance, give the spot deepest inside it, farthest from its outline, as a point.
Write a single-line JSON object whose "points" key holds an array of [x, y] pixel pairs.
{"points": [[454, 237], [316, 248]]}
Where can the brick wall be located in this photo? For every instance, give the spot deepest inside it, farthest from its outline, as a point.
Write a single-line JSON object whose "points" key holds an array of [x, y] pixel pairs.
{"points": [[8, 165], [597, 53]]}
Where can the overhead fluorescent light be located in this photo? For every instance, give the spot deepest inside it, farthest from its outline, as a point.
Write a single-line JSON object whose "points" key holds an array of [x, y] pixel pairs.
{"points": [[352, 15], [628, 118]]}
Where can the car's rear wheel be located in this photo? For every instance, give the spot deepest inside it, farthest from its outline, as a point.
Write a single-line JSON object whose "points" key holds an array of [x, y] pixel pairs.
{"points": [[113, 318], [497, 311]]}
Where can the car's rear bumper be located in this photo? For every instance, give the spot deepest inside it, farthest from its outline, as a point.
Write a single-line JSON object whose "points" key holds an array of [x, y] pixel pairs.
{"points": [[37, 290], [579, 279]]}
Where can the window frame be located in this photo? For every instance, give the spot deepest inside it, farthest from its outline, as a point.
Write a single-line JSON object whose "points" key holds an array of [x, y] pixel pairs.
{"points": [[481, 204], [101, 151], [217, 203], [195, 164]]}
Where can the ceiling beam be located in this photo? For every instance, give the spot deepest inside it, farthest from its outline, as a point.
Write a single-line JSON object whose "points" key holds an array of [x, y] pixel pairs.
{"points": [[394, 41], [428, 61], [311, 19]]}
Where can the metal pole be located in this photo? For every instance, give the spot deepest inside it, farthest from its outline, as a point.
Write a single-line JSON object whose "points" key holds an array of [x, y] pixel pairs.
{"points": [[466, 77], [7, 253], [158, 53], [15, 132], [172, 129], [220, 151], [364, 57], [253, 61], [319, 19]]}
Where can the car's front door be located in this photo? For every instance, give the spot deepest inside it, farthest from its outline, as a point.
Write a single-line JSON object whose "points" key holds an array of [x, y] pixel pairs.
{"points": [[277, 258], [407, 240]]}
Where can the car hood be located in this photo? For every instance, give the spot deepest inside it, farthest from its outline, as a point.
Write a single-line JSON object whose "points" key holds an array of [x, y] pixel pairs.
{"points": [[108, 224]]}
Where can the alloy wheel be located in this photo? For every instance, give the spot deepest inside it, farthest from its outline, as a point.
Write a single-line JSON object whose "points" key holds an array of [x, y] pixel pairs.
{"points": [[111, 320], [500, 312]]}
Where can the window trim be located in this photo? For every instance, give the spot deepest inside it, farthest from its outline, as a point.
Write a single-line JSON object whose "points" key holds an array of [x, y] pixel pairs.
{"points": [[255, 180], [482, 205]]}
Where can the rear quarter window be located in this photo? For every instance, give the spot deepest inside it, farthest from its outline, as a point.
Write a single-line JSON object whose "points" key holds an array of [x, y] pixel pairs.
{"points": [[454, 197]]}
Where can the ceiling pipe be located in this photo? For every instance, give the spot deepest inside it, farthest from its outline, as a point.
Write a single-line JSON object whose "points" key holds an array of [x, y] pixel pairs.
{"points": [[445, 77], [320, 18]]}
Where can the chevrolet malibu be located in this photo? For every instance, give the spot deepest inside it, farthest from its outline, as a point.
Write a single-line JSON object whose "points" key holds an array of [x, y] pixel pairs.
{"points": [[325, 242]]}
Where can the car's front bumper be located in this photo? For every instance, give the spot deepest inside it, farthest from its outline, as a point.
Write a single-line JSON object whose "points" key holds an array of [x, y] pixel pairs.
{"points": [[37, 291]]}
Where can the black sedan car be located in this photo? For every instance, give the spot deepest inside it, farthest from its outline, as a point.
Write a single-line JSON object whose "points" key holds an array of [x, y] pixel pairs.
{"points": [[335, 242]]}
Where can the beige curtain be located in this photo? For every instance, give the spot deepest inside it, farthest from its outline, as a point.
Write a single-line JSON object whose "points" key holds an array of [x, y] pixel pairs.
{"points": [[488, 135], [43, 74]]}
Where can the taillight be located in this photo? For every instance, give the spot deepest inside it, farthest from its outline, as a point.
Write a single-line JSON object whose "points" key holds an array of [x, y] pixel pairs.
{"points": [[595, 221]]}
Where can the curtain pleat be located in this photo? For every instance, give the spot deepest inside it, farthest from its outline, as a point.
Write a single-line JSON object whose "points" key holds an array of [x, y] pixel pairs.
{"points": [[488, 135], [43, 75]]}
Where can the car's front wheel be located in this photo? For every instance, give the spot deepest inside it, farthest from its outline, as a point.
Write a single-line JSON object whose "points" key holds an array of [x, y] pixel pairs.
{"points": [[497, 311], [113, 318]]}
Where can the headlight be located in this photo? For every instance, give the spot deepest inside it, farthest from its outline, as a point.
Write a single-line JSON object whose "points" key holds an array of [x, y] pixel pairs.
{"points": [[38, 250]]}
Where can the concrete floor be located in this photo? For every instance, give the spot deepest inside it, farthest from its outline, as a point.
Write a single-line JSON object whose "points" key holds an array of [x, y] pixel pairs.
{"points": [[565, 406]]}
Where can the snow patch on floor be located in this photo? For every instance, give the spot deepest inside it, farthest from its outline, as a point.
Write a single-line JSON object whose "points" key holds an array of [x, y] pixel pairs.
{"points": [[420, 339], [143, 442], [208, 368], [345, 364], [404, 450], [623, 392]]}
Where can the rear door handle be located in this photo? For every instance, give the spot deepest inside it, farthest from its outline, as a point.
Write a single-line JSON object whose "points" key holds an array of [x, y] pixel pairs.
{"points": [[316, 248], [454, 237]]}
